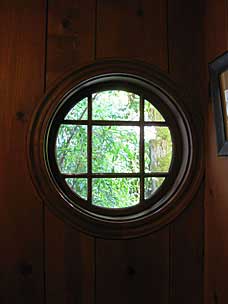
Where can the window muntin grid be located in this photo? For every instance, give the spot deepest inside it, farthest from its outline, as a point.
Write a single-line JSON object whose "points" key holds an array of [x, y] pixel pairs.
{"points": [[87, 120]]}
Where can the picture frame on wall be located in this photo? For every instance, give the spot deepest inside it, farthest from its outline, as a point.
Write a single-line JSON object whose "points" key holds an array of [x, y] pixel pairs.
{"points": [[218, 70]]}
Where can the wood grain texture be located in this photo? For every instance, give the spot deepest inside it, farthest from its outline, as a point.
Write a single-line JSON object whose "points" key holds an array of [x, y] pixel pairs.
{"points": [[71, 26], [216, 194], [133, 271], [216, 227], [132, 29], [21, 77], [69, 264], [187, 254], [55, 259], [186, 67], [69, 254], [186, 49], [216, 28]]}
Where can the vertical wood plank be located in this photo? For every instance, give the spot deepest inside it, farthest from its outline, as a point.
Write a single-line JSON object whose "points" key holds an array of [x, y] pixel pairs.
{"points": [[69, 264], [132, 29], [216, 227], [133, 271], [186, 67], [187, 254], [22, 51], [69, 254], [216, 194], [186, 48], [216, 211], [71, 27], [55, 259], [216, 27]]}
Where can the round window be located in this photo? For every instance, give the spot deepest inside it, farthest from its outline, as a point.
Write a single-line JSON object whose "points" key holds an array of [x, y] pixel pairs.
{"points": [[113, 148], [111, 151]]}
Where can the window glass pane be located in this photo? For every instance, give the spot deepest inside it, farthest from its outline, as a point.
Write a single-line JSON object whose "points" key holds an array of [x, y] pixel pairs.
{"points": [[115, 105], [71, 149], [115, 192], [79, 111], [115, 149], [158, 149], [78, 185], [151, 184], [151, 113]]}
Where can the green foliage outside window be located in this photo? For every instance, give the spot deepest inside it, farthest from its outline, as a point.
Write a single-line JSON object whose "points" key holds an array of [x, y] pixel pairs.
{"points": [[115, 149]]}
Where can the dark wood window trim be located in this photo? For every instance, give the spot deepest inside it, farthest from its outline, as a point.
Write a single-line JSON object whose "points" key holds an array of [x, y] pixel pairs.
{"points": [[144, 94]]}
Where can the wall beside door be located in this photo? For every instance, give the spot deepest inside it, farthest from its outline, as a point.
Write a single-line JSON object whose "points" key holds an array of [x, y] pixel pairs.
{"points": [[216, 199], [44, 259]]}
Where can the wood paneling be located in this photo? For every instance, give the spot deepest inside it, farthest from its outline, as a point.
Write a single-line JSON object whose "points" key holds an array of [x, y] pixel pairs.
{"points": [[216, 252], [187, 254], [71, 27], [22, 80], [186, 57], [127, 271], [69, 254], [78, 268], [132, 29], [216, 198], [216, 29], [69, 264], [133, 271], [186, 67]]}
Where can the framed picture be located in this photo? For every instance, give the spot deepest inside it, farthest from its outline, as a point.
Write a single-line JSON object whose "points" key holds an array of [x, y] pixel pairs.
{"points": [[219, 93]]}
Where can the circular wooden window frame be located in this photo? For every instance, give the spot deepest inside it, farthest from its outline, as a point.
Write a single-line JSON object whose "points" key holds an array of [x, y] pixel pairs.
{"points": [[133, 221], [93, 86]]}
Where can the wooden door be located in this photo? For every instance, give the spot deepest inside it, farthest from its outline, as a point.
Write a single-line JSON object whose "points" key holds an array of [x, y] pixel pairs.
{"points": [[44, 259]]}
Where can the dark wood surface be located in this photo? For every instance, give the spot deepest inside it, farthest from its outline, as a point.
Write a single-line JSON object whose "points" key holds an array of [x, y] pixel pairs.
{"points": [[132, 29], [186, 257], [69, 254], [215, 24], [70, 264], [133, 271], [186, 48], [216, 194], [216, 236], [186, 68], [71, 35], [21, 217]]}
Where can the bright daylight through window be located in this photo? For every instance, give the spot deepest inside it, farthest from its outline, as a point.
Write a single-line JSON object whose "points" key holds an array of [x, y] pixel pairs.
{"points": [[113, 148]]}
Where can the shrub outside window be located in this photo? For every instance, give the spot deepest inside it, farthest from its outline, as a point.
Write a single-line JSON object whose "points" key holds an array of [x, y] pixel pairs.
{"points": [[113, 149]]}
